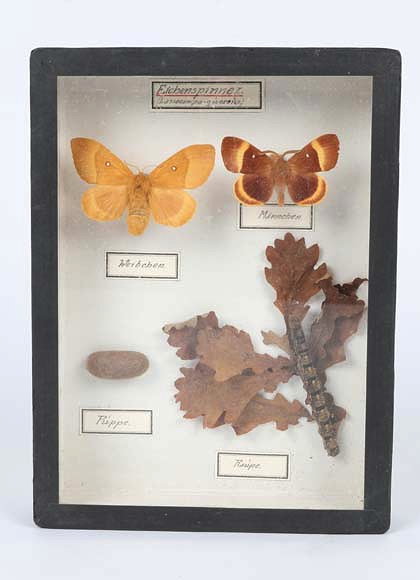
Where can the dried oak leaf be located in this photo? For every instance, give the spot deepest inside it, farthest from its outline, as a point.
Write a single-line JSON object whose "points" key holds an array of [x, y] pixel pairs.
{"points": [[282, 342], [293, 275], [261, 410], [219, 402], [230, 352], [184, 334], [340, 316]]}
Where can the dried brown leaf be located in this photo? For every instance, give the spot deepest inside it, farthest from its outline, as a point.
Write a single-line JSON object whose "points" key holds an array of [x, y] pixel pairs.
{"points": [[230, 352], [219, 402], [340, 316], [184, 334], [293, 274], [261, 410], [272, 339]]}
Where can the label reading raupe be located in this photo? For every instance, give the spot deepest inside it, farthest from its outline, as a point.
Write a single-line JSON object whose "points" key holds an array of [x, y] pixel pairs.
{"points": [[116, 421], [272, 216], [209, 95], [142, 265], [253, 465]]}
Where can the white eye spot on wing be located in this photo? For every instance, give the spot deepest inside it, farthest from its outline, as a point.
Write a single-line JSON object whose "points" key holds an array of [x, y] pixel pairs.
{"points": [[253, 156], [108, 163], [307, 155], [173, 167]]}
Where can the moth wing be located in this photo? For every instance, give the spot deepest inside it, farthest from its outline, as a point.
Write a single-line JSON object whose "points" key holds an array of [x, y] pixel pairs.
{"points": [[321, 154], [307, 189], [105, 202], [253, 189], [96, 164], [189, 168], [171, 207], [239, 156]]}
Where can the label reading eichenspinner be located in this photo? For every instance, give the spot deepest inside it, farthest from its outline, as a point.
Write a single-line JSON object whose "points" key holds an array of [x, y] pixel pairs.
{"points": [[208, 95]]}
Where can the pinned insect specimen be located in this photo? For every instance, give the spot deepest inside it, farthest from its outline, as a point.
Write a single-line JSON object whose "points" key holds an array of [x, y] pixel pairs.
{"points": [[295, 279], [160, 193], [117, 364], [266, 172], [227, 384]]}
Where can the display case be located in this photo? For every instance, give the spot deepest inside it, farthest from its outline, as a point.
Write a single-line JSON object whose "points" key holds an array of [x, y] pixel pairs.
{"points": [[214, 247]]}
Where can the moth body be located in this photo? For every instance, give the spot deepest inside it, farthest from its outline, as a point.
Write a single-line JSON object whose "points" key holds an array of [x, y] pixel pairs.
{"points": [[138, 204], [281, 169], [281, 172]]}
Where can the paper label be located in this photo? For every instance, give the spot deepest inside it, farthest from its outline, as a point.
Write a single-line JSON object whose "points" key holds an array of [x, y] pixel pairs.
{"points": [[141, 265], [207, 95], [272, 216], [253, 465], [116, 421]]}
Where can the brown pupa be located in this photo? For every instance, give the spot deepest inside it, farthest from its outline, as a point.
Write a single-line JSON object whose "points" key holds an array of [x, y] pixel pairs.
{"points": [[117, 364]]}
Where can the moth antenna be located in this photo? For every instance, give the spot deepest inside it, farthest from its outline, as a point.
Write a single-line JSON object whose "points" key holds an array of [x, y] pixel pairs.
{"points": [[132, 165], [150, 166], [291, 152]]}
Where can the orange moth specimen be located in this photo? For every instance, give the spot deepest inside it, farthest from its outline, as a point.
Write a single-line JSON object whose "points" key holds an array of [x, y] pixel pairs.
{"points": [[267, 171], [160, 193]]}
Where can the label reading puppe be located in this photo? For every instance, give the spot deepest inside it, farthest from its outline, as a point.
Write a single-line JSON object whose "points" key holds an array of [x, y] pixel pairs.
{"points": [[116, 421]]}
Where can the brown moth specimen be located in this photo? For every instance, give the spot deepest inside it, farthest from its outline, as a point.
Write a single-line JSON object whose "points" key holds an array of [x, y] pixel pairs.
{"points": [[160, 193], [227, 384], [266, 172]]}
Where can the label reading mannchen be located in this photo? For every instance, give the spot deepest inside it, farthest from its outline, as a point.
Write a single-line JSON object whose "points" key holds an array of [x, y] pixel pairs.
{"points": [[141, 265], [253, 465], [272, 216], [209, 95]]}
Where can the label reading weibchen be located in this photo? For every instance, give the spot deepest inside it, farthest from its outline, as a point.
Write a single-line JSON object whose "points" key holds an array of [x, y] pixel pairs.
{"points": [[207, 95], [142, 265]]}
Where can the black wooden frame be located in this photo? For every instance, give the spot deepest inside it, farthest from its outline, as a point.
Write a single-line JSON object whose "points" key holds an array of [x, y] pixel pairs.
{"points": [[385, 67]]}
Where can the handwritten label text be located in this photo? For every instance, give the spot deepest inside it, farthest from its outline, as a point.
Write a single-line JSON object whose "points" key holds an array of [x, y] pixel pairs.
{"points": [[277, 217], [127, 421], [253, 465], [140, 265], [210, 95]]}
